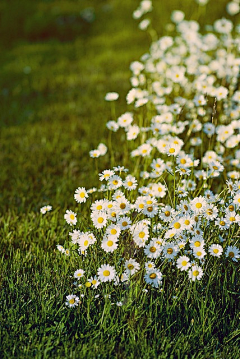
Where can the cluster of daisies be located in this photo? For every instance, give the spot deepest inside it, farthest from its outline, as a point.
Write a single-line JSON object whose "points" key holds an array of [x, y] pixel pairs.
{"points": [[135, 234], [181, 209]]}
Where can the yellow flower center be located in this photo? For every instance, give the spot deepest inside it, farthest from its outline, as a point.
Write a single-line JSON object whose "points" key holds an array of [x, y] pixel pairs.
{"points": [[72, 301], [150, 209], [85, 243], [187, 222], [106, 273], [185, 207], [141, 205], [215, 250], [82, 194], [195, 273], [198, 254], [113, 231], [177, 225], [115, 182], [152, 249], [141, 234], [124, 224], [197, 244], [88, 284], [152, 275], [122, 205], [72, 217], [222, 223], [171, 150], [169, 251], [109, 243], [209, 211], [231, 254], [130, 266], [184, 263], [232, 219], [113, 214], [167, 213], [94, 281], [99, 207], [231, 207], [130, 183], [183, 161], [198, 205], [100, 220], [79, 274]]}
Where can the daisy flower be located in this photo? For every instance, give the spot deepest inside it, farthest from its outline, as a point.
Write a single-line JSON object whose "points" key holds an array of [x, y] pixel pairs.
{"points": [[81, 195], [233, 253], [130, 183], [215, 250], [70, 217], [99, 219], [124, 223], [153, 277], [114, 182], [79, 273], [113, 231], [111, 96], [109, 244], [198, 205], [45, 209], [106, 174], [199, 253], [170, 250], [106, 273], [131, 266], [72, 301], [149, 266], [152, 250], [183, 263], [195, 272]]}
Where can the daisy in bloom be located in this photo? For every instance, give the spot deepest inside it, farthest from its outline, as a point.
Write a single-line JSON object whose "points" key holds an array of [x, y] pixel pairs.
{"points": [[140, 234], [198, 205], [102, 148], [172, 149], [122, 206], [167, 214], [149, 266], [183, 263], [97, 205], [197, 243], [170, 250], [114, 182], [158, 190], [72, 301], [70, 217], [153, 277], [210, 212], [215, 250], [106, 273], [79, 273], [236, 199], [124, 222], [112, 126], [81, 195], [222, 224], [232, 218], [45, 209], [195, 272], [109, 244], [94, 282], [152, 250], [106, 174], [60, 248], [131, 266], [140, 203], [84, 241], [233, 253], [199, 252], [113, 231], [99, 219], [125, 120], [95, 153], [111, 96], [130, 183]]}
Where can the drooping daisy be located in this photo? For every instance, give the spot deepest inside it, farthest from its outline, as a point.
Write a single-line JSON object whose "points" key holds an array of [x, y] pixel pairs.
{"points": [[72, 301], [81, 195], [106, 273], [70, 217], [45, 209]]}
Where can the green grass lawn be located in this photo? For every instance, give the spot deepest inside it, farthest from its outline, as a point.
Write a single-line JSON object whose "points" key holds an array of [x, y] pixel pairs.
{"points": [[56, 68]]}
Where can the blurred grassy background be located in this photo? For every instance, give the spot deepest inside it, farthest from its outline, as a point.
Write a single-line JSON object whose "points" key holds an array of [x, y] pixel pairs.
{"points": [[58, 59]]}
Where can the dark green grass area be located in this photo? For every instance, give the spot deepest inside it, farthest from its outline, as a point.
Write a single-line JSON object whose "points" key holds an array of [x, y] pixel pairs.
{"points": [[58, 60]]}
